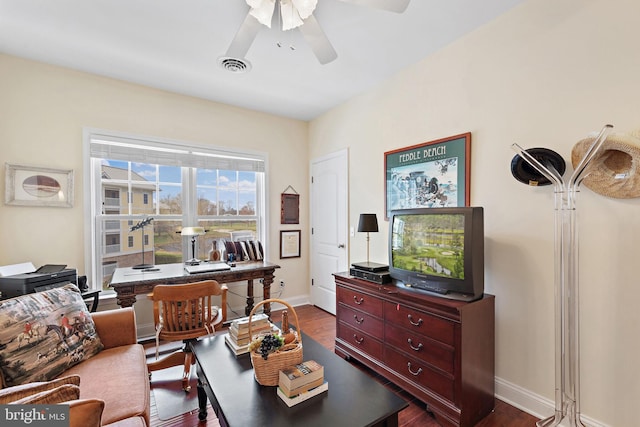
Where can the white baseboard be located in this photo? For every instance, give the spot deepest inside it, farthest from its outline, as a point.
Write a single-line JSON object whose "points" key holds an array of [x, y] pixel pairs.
{"points": [[532, 403], [146, 331], [108, 302]]}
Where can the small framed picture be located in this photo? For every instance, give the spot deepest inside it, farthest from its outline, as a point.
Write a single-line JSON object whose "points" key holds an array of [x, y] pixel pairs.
{"points": [[290, 244], [38, 186], [289, 208]]}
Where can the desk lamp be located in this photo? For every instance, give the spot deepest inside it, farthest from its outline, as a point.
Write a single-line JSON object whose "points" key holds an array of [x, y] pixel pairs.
{"points": [[368, 223], [193, 232]]}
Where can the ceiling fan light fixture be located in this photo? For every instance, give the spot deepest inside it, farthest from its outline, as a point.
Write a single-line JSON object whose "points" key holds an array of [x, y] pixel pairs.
{"points": [[290, 16], [262, 10], [305, 7], [292, 12]]}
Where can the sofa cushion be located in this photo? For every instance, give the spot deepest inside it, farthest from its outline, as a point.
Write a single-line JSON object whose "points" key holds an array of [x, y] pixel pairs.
{"points": [[11, 394], [85, 413], [44, 334], [119, 377], [63, 393], [127, 422]]}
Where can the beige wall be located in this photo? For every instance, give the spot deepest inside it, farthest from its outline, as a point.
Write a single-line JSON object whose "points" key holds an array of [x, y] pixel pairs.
{"points": [[546, 74], [43, 110]]}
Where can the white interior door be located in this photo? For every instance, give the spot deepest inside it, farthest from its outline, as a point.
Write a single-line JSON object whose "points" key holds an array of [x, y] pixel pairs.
{"points": [[329, 234]]}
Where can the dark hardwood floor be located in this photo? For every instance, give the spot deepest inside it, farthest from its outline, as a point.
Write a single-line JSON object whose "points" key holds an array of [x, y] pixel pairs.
{"points": [[321, 326]]}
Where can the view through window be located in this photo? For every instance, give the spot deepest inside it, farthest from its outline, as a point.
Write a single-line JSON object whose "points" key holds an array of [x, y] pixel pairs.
{"points": [[144, 192]]}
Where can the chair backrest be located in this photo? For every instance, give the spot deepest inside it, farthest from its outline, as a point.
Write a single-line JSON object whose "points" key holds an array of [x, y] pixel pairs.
{"points": [[187, 311]]}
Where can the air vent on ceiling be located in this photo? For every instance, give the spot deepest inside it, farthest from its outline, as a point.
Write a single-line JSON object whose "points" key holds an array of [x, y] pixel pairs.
{"points": [[235, 65]]}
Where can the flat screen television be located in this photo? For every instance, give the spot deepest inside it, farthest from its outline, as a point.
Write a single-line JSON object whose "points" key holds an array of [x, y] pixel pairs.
{"points": [[438, 250]]}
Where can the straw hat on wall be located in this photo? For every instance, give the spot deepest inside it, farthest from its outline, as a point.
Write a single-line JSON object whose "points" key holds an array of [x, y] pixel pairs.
{"points": [[613, 172]]}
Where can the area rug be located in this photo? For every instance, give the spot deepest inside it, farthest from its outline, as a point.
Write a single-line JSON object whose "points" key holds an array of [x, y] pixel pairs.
{"points": [[171, 400]]}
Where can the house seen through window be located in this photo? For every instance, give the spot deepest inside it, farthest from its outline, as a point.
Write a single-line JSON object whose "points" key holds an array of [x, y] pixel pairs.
{"points": [[176, 185]]}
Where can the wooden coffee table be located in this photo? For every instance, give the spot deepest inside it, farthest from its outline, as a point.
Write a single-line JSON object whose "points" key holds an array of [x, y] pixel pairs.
{"points": [[354, 398]]}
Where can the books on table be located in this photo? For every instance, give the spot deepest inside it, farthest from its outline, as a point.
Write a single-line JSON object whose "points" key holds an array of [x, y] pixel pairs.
{"points": [[237, 338], [243, 338], [301, 389], [237, 349], [300, 378], [295, 376], [242, 323], [292, 401]]}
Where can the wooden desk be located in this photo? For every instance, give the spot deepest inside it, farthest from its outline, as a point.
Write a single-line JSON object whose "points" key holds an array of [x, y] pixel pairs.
{"points": [[128, 282]]}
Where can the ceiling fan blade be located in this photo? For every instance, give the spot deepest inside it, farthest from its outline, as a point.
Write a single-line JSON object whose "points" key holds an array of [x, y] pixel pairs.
{"points": [[397, 6], [317, 40], [244, 37]]}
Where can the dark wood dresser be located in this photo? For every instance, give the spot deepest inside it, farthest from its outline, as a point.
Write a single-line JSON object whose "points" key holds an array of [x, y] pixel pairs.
{"points": [[439, 350]]}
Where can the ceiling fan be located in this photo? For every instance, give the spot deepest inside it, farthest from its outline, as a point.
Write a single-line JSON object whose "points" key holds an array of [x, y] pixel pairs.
{"points": [[295, 14]]}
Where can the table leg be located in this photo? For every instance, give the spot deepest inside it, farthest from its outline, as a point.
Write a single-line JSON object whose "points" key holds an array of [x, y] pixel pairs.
{"points": [[392, 421], [125, 300], [202, 401], [249, 307], [266, 292]]}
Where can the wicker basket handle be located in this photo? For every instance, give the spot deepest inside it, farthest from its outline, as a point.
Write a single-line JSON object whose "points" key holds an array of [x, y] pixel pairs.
{"points": [[283, 302]]}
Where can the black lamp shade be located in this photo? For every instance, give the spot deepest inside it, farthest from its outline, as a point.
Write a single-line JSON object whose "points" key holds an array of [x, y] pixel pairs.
{"points": [[368, 223]]}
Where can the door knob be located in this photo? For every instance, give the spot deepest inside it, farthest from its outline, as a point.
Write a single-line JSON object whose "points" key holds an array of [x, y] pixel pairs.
{"points": [[341, 246]]}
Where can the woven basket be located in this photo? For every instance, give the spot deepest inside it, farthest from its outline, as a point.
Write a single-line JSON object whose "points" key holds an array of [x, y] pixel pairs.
{"points": [[267, 371]]}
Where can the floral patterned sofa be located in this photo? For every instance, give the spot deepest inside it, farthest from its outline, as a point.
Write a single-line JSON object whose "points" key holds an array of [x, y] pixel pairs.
{"points": [[52, 350]]}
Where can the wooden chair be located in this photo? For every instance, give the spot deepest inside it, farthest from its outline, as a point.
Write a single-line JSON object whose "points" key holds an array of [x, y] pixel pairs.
{"points": [[185, 312]]}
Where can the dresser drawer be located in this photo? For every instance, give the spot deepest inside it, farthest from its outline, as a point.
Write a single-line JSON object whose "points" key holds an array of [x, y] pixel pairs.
{"points": [[361, 321], [433, 352], [420, 373], [360, 301], [420, 322], [360, 340]]}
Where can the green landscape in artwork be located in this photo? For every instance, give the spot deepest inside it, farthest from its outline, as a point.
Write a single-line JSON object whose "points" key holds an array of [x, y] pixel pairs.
{"points": [[430, 244]]}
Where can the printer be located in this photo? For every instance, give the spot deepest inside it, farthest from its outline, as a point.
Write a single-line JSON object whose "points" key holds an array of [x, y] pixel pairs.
{"points": [[39, 280]]}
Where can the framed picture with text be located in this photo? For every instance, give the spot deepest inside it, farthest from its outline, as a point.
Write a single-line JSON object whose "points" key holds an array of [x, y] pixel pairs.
{"points": [[429, 175], [289, 243]]}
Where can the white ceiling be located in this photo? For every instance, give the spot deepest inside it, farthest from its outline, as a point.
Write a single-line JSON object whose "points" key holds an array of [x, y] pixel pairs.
{"points": [[174, 45]]}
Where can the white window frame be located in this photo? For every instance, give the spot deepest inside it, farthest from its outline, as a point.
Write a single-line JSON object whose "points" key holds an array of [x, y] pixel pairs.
{"points": [[92, 183]]}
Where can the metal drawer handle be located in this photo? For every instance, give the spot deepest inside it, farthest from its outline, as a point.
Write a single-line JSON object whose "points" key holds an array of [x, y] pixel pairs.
{"points": [[358, 301], [418, 323], [418, 348], [358, 321], [358, 340], [418, 372]]}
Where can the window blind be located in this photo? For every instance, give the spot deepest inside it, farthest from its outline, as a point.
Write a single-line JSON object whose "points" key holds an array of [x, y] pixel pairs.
{"points": [[172, 154]]}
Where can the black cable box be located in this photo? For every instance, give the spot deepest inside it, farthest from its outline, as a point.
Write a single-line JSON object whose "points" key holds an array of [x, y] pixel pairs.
{"points": [[373, 267], [379, 277]]}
